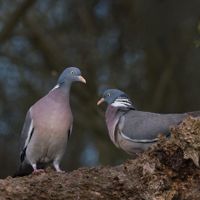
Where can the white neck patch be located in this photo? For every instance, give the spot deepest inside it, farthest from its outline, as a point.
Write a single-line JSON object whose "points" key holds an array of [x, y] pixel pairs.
{"points": [[122, 102], [57, 86]]}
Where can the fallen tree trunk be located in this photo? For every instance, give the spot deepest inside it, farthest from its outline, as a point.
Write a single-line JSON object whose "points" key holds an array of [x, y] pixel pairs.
{"points": [[168, 171]]}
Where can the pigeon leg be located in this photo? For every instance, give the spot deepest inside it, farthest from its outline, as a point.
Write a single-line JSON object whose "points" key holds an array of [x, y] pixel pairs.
{"points": [[56, 166], [37, 171]]}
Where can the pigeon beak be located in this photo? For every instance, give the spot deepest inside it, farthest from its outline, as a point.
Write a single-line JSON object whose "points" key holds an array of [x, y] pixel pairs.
{"points": [[100, 101], [81, 79]]}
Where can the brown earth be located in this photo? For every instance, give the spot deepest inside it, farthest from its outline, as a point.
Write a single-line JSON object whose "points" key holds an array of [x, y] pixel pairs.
{"points": [[168, 171]]}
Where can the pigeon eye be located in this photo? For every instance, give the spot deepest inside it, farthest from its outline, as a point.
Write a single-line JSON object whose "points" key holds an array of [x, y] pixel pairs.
{"points": [[72, 72], [108, 94]]}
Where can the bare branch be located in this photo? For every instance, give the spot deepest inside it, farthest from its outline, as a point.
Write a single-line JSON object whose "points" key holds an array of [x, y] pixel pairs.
{"points": [[14, 19], [44, 43]]}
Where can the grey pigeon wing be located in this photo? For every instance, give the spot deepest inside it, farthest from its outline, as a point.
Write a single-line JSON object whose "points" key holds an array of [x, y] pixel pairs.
{"points": [[146, 126], [26, 134]]}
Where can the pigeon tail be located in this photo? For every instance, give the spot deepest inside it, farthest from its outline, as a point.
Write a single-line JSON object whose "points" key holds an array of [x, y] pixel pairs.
{"points": [[23, 170]]}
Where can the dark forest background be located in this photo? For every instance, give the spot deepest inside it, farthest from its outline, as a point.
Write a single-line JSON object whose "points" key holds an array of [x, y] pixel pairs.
{"points": [[149, 49]]}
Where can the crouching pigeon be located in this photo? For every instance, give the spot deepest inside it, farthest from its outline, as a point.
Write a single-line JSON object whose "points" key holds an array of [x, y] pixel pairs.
{"points": [[131, 130], [47, 126]]}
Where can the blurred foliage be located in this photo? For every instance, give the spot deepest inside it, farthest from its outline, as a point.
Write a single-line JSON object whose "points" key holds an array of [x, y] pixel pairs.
{"points": [[146, 48]]}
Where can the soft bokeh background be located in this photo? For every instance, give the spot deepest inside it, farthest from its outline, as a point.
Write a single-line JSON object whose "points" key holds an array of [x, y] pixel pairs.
{"points": [[148, 48]]}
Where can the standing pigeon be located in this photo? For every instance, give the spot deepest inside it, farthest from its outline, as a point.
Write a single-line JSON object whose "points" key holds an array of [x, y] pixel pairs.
{"points": [[47, 126], [131, 130]]}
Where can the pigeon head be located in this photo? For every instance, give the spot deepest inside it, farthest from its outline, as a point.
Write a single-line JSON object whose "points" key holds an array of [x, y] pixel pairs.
{"points": [[69, 75], [116, 98]]}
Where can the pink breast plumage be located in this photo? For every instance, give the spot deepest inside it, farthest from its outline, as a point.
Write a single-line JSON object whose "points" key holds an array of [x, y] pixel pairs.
{"points": [[112, 119]]}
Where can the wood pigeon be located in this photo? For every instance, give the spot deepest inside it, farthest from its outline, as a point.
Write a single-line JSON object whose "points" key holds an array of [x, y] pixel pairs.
{"points": [[131, 130], [47, 126]]}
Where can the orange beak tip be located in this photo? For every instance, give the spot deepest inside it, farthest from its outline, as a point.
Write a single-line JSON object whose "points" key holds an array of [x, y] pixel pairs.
{"points": [[81, 79], [100, 101]]}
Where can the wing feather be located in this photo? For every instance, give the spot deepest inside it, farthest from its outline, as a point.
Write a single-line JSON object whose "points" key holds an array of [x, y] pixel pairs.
{"points": [[26, 135], [144, 127]]}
